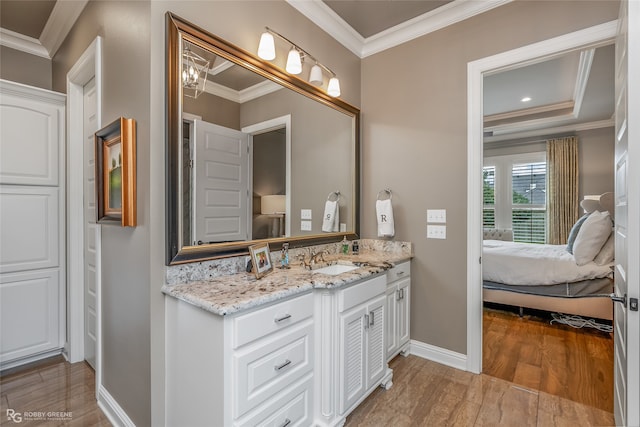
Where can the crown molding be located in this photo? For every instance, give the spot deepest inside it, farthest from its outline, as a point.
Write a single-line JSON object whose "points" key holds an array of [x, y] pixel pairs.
{"points": [[323, 16], [23, 43], [577, 127], [242, 96], [60, 22], [449, 14], [529, 111], [584, 69]]}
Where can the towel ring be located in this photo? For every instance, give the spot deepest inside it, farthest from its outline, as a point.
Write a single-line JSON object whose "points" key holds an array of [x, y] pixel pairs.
{"points": [[334, 193], [387, 191]]}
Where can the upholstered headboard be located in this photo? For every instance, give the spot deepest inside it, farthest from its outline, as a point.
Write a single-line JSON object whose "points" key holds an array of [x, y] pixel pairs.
{"points": [[604, 203]]}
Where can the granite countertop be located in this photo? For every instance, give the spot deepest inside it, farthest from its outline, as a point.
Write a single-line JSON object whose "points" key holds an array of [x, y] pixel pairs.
{"points": [[237, 292]]}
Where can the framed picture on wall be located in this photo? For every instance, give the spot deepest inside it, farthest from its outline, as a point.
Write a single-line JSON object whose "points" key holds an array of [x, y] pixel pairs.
{"points": [[261, 259], [115, 160]]}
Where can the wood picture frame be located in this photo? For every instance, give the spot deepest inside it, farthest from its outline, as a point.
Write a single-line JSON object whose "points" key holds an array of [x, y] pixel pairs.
{"points": [[115, 166], [261, 259]]}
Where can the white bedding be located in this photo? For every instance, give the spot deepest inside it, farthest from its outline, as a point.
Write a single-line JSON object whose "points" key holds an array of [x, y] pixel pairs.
{"points": [[532, 264]]}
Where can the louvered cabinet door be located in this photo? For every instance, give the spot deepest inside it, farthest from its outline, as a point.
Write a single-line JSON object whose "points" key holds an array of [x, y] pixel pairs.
{"points": [[376, 354], [353, 351]]}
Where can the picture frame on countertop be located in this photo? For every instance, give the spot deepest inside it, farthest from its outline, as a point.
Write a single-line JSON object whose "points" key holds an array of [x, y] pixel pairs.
{"points": [[261, 259]]}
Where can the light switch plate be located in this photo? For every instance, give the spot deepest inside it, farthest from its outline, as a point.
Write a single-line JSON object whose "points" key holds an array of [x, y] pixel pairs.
{"points": [[305, 225], [305, 214], [436, 231], [437, 215]]}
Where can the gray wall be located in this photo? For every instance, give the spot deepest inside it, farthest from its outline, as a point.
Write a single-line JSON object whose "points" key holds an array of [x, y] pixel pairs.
{"points": [[414, 106], [25, 68], [125, 251]]}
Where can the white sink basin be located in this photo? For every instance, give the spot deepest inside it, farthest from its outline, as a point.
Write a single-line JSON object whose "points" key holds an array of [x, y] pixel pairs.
{"points": [[335, 269]]}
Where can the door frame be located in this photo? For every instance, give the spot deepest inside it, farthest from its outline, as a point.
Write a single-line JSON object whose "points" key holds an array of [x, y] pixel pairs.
{"points": [[88, 66], [266, 126], [595, 36]]}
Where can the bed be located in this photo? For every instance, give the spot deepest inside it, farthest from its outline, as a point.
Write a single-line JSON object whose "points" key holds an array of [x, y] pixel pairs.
{"points": [[574, 279]]}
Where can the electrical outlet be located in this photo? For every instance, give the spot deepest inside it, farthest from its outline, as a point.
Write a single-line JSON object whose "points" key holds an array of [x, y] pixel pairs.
{"points": [[437, 215], [343, 227], [305, 225], [305, 214], [436, 231]]}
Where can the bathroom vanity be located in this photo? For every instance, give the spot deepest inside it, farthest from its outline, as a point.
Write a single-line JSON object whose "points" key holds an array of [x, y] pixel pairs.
{"points": [[296, 347]]}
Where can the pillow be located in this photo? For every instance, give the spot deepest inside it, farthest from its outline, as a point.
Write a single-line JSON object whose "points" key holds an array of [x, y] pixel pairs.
{"points": [[606, 254], [574, 232], [593, 234]]}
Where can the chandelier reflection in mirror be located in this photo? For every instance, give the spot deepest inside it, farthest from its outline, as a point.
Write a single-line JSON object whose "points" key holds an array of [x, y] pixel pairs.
{"points": [[295, 58], [194, 72]]}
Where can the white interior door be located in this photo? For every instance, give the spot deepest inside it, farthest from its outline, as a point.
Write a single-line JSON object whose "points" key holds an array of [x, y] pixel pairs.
{"points": [[91, 230], [627, 330], [221, 184]]}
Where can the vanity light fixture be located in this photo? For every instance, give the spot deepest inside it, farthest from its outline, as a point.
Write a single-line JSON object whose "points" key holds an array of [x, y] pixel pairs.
{"points": [[194, 72], [295, 59], [526, 99], [294, 62]]}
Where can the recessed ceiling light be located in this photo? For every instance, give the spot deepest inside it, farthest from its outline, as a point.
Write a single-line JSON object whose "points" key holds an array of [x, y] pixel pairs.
{"points": [[525, 99]]}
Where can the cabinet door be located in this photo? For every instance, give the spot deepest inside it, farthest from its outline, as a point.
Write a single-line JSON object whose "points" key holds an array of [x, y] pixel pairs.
{"points": [[403, 307], [390, 336], [352, 356], [376, 353]]}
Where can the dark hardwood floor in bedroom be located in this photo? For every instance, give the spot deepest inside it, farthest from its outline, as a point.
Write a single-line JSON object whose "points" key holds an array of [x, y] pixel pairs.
{"points": [[575, 364]]}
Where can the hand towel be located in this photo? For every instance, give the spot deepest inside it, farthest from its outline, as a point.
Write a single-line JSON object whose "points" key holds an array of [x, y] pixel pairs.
{"points": [[330, 217], [384, 213]]}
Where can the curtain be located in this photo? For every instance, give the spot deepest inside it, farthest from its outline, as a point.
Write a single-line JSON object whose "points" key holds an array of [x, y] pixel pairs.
{"points": [[562, 190]]}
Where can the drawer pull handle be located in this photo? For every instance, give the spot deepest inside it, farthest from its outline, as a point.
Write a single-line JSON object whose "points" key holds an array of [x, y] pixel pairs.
{"points": [[400, 273], [280, 319], [285, 423], [285, 364]]}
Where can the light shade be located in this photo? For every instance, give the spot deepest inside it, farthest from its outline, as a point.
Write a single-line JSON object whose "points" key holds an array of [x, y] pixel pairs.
{"points": [[315, 76], [272, 204], [294, 62], [334, 87], [267, 48]]}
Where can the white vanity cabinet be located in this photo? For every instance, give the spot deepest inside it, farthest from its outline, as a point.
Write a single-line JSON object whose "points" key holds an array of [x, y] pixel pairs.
{"points": [[398, 303], [253, 368]]}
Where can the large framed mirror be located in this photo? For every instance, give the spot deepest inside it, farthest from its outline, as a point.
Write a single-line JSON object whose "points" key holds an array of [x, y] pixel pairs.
{"points": [[253, 154]]}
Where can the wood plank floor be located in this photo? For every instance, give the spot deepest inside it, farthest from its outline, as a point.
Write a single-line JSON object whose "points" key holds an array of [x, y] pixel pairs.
{"points": [[575, 364], [561, 377], [48, 387]]}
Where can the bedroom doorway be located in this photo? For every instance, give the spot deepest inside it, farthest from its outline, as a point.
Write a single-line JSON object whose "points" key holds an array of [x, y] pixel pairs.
{"points": [[593, 37]]}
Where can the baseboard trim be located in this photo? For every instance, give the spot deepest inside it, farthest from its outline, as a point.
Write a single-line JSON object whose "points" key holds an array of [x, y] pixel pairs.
{"points": [[116, 415], [439, 355]]}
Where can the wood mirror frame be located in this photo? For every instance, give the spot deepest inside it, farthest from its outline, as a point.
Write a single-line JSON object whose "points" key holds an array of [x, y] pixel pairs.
{"points": [[177, 30]]}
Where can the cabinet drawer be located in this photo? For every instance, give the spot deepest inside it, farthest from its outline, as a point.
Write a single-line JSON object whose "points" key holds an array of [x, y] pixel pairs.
{"points": [[290, 408], [261, 371], [356, 294], [399, 271], [257, 324]]}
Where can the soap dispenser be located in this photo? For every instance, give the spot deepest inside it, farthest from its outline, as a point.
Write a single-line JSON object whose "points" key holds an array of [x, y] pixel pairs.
{"points": [[345, 245]]}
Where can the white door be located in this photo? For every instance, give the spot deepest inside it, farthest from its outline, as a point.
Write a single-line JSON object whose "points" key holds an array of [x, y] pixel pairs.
{"points": [[221, 184], [91, 230], [627, 287]]}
